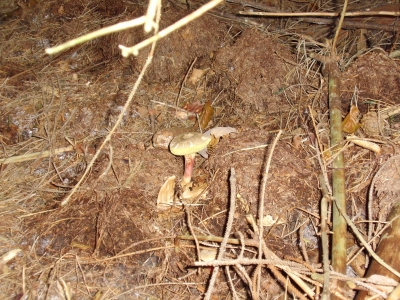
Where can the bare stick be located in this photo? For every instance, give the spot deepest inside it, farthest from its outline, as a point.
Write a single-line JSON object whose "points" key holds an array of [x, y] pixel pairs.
{"points": [[320, 14], [96, 34], [261, 205], [189, 221], [126, 51], [232, 205], [360, 238], [339, 26], [36, 155]]}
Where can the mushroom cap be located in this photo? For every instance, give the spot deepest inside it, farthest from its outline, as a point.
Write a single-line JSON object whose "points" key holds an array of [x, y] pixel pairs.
{"points": [[188, 143]]}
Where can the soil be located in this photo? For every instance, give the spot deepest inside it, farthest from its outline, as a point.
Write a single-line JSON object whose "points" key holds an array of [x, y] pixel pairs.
{"points": [[111, 240]]}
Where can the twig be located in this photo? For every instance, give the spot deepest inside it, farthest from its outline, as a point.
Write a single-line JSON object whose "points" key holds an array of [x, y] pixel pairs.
{"points": [[96, 34], [232, 206], [261, 204], [320, 14], [289, 285], [36, 155], [231, 285], [360, 238], [342, 15], [248, 261], [189, 222], [126, 51]]}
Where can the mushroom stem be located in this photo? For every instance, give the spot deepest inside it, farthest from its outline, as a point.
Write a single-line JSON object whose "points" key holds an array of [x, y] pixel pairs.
{"points": [[189, 164]]}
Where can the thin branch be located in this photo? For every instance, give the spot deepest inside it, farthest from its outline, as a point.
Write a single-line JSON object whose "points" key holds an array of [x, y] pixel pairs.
{"points": [[261, 204], [126, 51], [232, 206], [96, 34], [342, 15], [320, 14], [360, 238]]}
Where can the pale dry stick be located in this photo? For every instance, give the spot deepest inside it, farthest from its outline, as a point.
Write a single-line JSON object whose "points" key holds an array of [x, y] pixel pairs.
{"points": [[371, 193], [249, 261], [241, 271], [268, 253], [287, 283], [320, 14], [365, 244], [152, 8], [36, 155], [372, 289], [116, 125], [66, 289], [246, 149], [98, 33], [388, 224], [173, 106], [261, 205], [189, 223], [342, 15], [230, 283], [232, 206], [126, 51]]}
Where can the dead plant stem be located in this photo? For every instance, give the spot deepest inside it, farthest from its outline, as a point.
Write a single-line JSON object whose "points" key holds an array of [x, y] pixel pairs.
{"points": [[342, 15], [261, 205], [361, 239], [232, 206], [320, 14]]}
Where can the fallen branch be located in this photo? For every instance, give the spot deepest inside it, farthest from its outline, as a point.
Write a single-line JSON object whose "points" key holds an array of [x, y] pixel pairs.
{"points": [[36, 155]]}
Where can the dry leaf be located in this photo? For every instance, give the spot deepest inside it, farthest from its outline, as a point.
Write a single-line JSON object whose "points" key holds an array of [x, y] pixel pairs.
{"points": [[196, 75], [350, 123], [220, 131], [191, 192], [208, 255], [9, 255], [166, 195], [195, 107], [365, 144], [206, 115], [268, 220]]}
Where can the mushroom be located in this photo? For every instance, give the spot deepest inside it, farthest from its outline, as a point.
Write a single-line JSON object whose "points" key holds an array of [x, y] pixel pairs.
{"points": [[188, 144]]}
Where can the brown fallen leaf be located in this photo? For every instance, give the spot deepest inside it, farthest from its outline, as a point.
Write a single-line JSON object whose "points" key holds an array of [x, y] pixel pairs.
{"points": [[350, 123], [206, 115]]}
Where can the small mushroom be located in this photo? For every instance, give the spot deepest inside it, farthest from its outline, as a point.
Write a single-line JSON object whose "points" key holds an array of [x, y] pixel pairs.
{"points": [[188, 144]]}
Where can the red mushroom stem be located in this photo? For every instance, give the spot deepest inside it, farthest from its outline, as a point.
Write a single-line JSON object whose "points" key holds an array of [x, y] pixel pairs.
{"points": [[189, 165]]}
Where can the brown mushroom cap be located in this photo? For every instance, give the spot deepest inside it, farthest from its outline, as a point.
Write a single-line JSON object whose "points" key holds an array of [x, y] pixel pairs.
{"points": [[188, 143]]}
